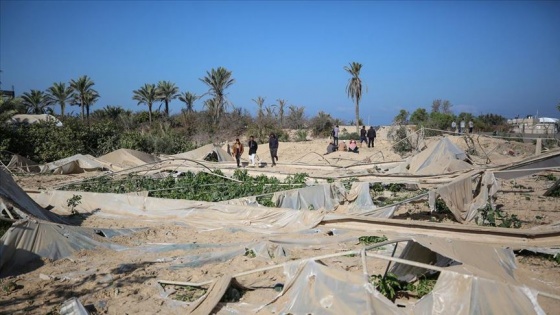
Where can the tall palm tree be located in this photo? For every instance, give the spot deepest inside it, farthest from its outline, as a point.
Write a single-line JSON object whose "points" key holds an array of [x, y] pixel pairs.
{"points": [[59, 94], [81, 88], [147, 95], [189, 98], [259, 101], [167, 91], [34, 101], [218, 80], [281, 104], [354, 88]]}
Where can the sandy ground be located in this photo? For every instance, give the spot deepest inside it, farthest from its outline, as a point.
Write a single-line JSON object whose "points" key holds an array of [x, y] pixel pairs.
{"points": [[124, 281]]}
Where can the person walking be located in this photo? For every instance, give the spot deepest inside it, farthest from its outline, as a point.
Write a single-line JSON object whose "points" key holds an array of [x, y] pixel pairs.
{"points": [[462, 126], [237, 151], [363, 136], [273, 146], [371, 136], [471, 125], [253, 146], [454, 127], [335, 135]]}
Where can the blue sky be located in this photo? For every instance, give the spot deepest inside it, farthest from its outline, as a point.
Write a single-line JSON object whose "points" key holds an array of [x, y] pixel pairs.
{"points": [[485, 57]]}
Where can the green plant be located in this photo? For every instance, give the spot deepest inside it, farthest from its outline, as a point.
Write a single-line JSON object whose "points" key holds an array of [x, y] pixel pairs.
{"points": [[196, 186], [441, 207], [376, 187], [73, 202], [188, 293], [301, 135], [424, 286], [367, 240], [387, 285], [496, 217], [250, 253], [401, 142]]}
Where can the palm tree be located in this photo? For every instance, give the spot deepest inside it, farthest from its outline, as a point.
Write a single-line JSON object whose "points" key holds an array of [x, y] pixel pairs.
{"points": [[81, 88], [281, 104], [217, 81], [259, 101], [189, 98], [59, 94], [34, 101], [10, 107], [89, 99], [167, 91], [354, 88], [146, 95]]}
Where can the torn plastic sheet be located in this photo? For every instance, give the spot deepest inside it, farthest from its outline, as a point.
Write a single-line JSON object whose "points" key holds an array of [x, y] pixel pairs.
{"points": [[456, 293], [14, 198], [28, 240], [312, 288], [73, 306], [326, 196], [199, 214], [74, 164], [458, 195]]}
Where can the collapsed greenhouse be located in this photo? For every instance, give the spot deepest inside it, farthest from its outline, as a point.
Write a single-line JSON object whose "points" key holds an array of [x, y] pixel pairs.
{"points": [[427, 234]]}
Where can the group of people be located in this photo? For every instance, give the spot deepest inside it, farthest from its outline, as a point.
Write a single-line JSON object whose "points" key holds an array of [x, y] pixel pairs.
{"points": [[367, 136], [237, 150], [461, 127]]}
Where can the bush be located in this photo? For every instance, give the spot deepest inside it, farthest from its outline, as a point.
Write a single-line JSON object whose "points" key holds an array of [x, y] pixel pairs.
{"points": [[301, 135]]}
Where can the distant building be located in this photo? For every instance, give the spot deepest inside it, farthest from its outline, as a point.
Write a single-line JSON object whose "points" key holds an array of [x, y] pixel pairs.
{"points": [[535, 126], [7, 94]]}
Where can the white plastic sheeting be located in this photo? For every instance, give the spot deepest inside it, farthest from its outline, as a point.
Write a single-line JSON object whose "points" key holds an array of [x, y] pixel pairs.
{"points": [[74, 164], [326, 196], [13, 198], [458, 195], [438, 158], [202, 152], [199, 214], [27, 240], [313, 288], [127, 158]]}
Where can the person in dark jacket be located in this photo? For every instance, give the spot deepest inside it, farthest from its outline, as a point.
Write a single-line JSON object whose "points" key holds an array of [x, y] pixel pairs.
{"points": [[363, 135], [273, 146], [371, 136], [253, 146]]}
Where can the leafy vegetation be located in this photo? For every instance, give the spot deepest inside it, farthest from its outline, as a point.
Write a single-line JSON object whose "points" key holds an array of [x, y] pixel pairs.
{"points": [[73, 202], [196, 186], [387, 285], [390, 286], [401, 142], [367, 240], [187, 293], [496, 217]]}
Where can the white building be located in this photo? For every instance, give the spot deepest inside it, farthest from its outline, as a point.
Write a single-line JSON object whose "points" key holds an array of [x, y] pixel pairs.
{"points": [[532, 125]]}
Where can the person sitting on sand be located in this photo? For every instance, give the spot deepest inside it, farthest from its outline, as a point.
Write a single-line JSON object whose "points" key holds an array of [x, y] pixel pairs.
{"points": [[353, 146], [330, 148], [342, 146]]}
